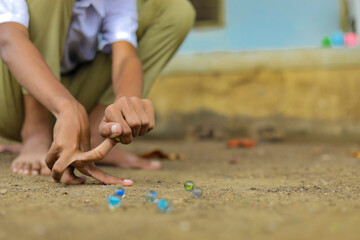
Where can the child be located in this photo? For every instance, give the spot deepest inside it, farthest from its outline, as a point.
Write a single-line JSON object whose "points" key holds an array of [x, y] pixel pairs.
{"points": [[74, 58]]}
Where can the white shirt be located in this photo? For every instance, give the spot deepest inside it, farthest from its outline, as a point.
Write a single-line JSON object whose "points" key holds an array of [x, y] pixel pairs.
{"points": [[95, 25]]}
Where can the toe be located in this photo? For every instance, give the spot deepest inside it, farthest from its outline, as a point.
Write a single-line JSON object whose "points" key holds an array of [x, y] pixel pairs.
{"points": [[14, 167], [20, 168], [45, 171], [155, 165], [148, 165], [27, 169], [36, 168]]}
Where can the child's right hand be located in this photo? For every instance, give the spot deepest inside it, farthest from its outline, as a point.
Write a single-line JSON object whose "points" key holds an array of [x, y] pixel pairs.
{"points": [[131, 117]]}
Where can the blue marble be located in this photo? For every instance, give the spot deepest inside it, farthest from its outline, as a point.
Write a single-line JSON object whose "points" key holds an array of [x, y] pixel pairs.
{"points": [[151, 196], [337, 39], [119, 191], [113, 202], [164, 206]]}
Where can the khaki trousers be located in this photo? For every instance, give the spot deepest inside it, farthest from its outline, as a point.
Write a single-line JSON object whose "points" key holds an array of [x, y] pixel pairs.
{"points": [[163, 25]]}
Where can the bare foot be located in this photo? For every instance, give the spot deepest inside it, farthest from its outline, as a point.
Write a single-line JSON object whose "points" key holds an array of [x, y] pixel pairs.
{"points": [[120, 158], [116, 156], [36, 138], [31, 160]]}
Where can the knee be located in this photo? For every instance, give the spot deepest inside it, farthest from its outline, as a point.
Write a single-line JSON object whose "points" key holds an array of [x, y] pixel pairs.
{"points": [[182, 16], [187, 16]]}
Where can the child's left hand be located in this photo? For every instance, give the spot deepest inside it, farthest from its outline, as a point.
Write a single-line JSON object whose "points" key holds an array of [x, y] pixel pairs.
{"points": [[84, 162]]}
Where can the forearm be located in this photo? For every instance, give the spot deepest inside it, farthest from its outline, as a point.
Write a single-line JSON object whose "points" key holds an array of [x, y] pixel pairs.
{"points": [[30, 70], [131, 115], [127, 73], [128, 78]]}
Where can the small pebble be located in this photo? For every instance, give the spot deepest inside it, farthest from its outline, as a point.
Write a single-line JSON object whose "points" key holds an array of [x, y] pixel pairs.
{"points": [[198, 193], [113, 202], [151, 196], [3, 191], [189, 186], [119, 191], [233, 160], [164, 206]]}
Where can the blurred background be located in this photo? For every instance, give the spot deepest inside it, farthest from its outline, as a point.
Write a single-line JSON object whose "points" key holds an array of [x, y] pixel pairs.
{"points": [[275, 70], [258, 69]]}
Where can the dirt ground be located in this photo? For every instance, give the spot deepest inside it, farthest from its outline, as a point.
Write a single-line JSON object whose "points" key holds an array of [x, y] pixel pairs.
{"points": [[274, 191]]}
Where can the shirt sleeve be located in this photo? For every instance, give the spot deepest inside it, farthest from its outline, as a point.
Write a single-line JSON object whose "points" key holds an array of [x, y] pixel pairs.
{"points": [[14, 11], [120, 23]]}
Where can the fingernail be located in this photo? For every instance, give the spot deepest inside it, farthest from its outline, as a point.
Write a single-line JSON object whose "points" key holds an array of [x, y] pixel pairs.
{"points": [[114, 129], [35, 172], [26, 171], [128, 181], [155, 163]]}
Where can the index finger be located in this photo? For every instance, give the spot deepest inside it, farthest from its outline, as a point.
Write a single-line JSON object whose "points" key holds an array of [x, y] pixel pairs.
{"points": [[105, 178], [149, 109]]}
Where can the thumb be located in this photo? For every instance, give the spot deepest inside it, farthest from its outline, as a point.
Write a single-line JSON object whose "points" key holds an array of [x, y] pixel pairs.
{"points": [[110, 129]]}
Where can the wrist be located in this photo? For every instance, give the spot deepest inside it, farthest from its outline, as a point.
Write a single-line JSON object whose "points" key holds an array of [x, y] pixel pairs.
{"points": [[64, 106], [136, 94]]}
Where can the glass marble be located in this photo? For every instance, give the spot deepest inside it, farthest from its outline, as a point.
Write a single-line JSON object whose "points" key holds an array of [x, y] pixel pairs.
{"points": [[117, 139], [337, 39], [113, 202], [326, 42], [164, 206], [351, 39], [198, 193], [151, 196], [119, 191], [189, 186]]}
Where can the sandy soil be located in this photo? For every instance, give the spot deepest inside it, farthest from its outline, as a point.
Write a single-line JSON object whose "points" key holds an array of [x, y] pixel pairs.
{"points": [[274, 191]]}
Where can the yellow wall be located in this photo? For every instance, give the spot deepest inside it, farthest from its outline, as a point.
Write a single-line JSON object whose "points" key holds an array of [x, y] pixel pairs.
{"points": [[311, 99]]}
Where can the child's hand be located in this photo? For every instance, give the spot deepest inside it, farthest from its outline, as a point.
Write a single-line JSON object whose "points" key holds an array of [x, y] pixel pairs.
{"points": [[70, 149], [84, 162], [126, 118]]}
